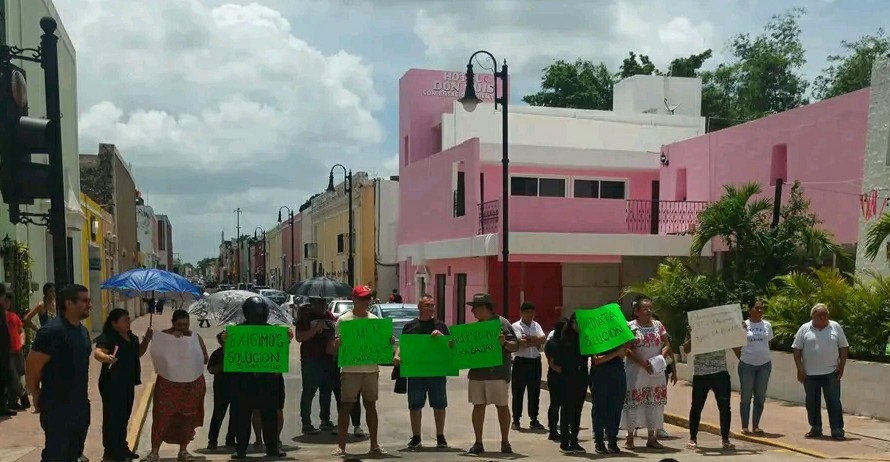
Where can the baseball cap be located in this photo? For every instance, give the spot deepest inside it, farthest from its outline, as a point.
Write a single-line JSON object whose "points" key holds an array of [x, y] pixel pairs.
{"points": [[361, 291], [481, 299]]}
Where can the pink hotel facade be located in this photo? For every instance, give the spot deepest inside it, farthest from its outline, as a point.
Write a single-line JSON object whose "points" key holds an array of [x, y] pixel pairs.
{"points": [[593, 205]]}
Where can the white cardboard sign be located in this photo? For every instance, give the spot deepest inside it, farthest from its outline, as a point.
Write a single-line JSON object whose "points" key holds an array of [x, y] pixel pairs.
{"points": [[717, 328]]}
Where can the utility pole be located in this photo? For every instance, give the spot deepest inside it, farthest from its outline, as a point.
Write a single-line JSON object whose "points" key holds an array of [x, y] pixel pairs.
{"points": [[238, 241]]}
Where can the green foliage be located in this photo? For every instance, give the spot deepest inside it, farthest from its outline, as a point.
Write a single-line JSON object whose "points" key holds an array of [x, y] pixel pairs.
{"points": [[861, 307], [852, 71], [876, 235], [579, 85], [636, 65]]}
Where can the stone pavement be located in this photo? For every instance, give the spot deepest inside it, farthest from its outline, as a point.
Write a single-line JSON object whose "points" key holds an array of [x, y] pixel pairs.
{"points": [[395, 430], [21, 437]]}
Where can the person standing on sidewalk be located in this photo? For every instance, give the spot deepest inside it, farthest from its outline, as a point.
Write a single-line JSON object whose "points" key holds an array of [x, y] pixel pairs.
{"points": [[573, 368], [755, 366], [358, 381], [820, 353], [119, 350], [419, 388], [608, 387], [315, 330], [554, 381], [526, 375], [222, 397], [709, 373], [57, 376], [489, 385], [646, 393], [16, 397]]}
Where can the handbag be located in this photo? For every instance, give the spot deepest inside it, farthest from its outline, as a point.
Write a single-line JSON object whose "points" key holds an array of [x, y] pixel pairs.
{"points": [[401, 385]]}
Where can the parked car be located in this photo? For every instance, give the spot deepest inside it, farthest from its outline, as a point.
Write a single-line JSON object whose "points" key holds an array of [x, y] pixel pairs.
{"points": [[276, 296], [400, 313], [338, 307]]}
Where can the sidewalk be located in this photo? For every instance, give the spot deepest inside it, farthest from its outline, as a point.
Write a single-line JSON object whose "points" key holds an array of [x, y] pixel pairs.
{"points": [[23, 437], [785, 424]]}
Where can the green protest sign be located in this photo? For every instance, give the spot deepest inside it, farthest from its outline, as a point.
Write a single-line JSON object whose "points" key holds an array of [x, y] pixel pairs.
{"points": [[365, 341], [602, 329], [426, 356], [476, 345], [256, 349]]}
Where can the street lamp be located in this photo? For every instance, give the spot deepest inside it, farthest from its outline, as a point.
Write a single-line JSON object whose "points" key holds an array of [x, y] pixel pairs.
{"points": [[263, 232], [293, 255], [350, 263], [469, 102]]}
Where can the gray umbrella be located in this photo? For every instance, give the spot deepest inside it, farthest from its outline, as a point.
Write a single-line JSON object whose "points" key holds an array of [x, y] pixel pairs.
{"points": [[224, 308]]}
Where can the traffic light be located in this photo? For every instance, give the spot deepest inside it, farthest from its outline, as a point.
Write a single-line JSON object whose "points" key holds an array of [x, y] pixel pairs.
{"points": [[21, 179]]}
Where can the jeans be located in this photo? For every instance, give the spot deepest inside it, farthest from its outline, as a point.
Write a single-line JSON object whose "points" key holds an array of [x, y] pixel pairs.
{"points": [[555, 385], [526, 375], [575, 391], [222, 402], [830, 386], [317, 377], [754, 381], [701, 385], [16, 371], [65, 430], [608, 386]]}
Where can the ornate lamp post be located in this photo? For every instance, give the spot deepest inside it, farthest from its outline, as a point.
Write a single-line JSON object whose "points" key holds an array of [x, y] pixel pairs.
{"points": [[348, 189], [469, 102], [293, 255]]}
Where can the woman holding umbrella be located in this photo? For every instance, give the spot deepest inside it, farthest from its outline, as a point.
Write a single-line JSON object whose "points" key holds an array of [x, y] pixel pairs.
{"points": [[119, 349]]}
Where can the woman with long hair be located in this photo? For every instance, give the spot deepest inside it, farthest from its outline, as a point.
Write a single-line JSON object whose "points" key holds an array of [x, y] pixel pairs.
{"points": [[179, 356], [119, 350], [572, 366], [755, 366], [45, 310]]}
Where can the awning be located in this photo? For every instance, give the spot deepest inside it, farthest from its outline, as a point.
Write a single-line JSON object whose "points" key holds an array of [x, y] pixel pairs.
{"points": [[75, 219]]}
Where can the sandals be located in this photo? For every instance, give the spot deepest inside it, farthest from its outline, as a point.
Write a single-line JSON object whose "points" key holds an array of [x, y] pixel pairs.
{"points": [[378, 451], [728, 445], [629, 445], [338, 452], [184, 456], [692, 445], [758, 431], [654, 444]]}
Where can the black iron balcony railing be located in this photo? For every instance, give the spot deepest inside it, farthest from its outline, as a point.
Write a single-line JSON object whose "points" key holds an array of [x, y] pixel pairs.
{"points": [[489, 213], [663, 217]]}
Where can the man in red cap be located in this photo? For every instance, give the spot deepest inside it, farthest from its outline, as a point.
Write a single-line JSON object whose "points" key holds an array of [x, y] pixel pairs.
{"points": [[358, 380]]}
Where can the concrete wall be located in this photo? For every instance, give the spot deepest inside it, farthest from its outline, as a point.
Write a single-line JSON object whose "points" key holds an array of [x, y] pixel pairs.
{"points": [[863, 389]]}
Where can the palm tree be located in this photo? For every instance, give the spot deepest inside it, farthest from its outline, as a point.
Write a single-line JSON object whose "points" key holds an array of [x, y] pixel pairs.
{"points": [[876, 235]]}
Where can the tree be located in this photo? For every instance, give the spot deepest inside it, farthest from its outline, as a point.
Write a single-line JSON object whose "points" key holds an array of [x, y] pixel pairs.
{"points": [[762, 78], [631, 66], [578, 85], [689, 66], [760, 252], [852, 71]]}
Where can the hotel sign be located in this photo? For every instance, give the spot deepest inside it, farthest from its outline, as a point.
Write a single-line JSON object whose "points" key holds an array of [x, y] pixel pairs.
{"points": [[452, 85]]}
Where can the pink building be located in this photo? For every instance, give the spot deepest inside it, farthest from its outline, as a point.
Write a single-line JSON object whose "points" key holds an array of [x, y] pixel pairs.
{"points": [[586, 208], [822, 145]]}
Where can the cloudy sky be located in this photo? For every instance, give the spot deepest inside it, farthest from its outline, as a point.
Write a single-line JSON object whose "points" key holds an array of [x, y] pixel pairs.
{"points": [[221, 104]]}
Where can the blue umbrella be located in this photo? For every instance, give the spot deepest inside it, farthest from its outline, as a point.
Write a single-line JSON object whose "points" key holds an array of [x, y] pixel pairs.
{"points": [[153, 283]]}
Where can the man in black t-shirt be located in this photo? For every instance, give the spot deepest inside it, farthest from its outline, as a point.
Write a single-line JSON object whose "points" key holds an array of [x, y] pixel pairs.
{"points": [[57, 376], [419, 388]]}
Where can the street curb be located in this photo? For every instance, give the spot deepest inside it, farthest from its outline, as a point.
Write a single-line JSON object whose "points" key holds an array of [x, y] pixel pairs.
{"points": [[137, 420], [707, 427]]}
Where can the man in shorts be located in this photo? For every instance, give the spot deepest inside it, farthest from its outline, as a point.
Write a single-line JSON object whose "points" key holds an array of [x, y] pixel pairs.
{"points": [[358, 380], [489, 385]]}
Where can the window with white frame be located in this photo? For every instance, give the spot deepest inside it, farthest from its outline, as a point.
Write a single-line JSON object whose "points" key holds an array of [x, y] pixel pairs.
{"points": [[600, 189], [535, 186]]}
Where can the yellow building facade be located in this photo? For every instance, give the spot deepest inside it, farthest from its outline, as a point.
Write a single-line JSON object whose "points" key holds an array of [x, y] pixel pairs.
{"points": [[95, 265]]}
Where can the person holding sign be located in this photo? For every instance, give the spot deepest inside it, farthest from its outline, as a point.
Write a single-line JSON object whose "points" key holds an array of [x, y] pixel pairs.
{"points": [[646, 393], [755, 366], [358, 380], [119, 350], [709, 373], [315, 330], [489, 385], [419, 388], [259, 391]]}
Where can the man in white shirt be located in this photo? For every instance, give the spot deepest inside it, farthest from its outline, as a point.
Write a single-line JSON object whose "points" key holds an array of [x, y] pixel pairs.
{"points": [[527, 365], [820, 353]]}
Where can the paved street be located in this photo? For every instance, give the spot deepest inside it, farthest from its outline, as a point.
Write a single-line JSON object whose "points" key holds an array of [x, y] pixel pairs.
{"points": [[395, 432]]}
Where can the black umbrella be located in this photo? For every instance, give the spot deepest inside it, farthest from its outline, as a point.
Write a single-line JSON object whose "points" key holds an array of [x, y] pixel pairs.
{"points": [[321, 287]]}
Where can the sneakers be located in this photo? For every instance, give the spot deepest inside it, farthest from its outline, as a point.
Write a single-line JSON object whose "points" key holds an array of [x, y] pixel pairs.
{"points": [[516, 425], [565, 448], [554, 436], [441, 442], [414, 442], [309, 429], [327, 425], [476, 449], [358, 432], [535, 425], [663, 434]]}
